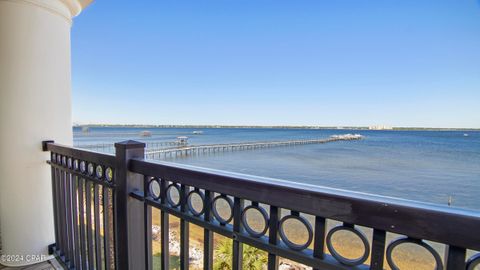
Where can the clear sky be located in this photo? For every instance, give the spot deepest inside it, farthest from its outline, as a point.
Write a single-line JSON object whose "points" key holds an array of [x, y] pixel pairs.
{"points": [[276, 62]]}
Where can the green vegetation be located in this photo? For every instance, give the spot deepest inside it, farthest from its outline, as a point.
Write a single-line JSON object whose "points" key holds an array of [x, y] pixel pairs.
{"points": [[157, 262], [253, 258]]}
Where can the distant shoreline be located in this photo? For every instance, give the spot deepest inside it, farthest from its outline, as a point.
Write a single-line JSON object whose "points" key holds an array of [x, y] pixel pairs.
{"points": [[279, 127]]}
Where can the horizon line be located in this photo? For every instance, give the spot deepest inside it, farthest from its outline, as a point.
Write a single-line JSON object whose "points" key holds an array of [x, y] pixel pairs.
{"points": [[386, 127]]}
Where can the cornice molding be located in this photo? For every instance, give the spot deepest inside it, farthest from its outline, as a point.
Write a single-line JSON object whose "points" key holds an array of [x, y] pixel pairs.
{"points": [[64, 8]]}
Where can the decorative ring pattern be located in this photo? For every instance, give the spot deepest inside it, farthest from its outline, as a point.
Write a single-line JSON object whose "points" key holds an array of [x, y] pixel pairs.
{"points": [[99, 171], [83, 166], [90, 169], [340, 258], [190, 203], [75, 164], [169, 196], [153, 188], [247, 227], [109, 174], [217, 215], [473, 262], [405, 240], [284, 236]]}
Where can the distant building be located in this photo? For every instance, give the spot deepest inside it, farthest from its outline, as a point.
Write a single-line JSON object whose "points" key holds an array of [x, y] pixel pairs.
{"points": [[182, 140], [380, 127]]}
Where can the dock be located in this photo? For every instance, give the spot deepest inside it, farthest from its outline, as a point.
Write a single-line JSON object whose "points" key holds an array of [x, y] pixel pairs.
{"points": [[110, 149], [190, 150]]}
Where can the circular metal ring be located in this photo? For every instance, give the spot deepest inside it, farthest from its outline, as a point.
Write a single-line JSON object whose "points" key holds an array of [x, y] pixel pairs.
{"points": [[473, 262], [90, 168], [169, 197], [284, 236], [340, 258], [154, 191], [405, 240], [83, 166], [190, 204], [75, 164], [215, 212], [247, 227], [99, 171], [69, 163], [109, 174]]}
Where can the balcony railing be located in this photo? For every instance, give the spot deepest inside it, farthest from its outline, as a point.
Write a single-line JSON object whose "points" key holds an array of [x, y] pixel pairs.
{"points": [[103, 216]]}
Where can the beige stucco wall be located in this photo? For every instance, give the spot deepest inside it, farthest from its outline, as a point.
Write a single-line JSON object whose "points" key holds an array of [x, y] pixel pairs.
{"points": [[35, 105]]}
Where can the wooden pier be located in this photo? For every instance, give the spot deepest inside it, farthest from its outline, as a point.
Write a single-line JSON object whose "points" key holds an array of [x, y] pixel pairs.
{"points": [[110, 149], [215, 148]]}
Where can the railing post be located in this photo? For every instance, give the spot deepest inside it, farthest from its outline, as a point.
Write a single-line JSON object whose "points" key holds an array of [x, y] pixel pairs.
{"points": [[129, 214], [455, 258]]}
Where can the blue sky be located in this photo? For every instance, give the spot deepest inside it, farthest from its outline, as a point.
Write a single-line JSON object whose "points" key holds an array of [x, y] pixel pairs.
{"points": [[276, 62]]}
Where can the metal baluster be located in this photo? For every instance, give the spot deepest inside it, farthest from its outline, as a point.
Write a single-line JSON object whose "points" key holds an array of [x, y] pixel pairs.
{"points": [[81, 201], [147, 212], [75, 221], [378, 249], [98, 242], [69, 224], [273, 236], [319, 238], [107, 233], [90, 246], [238, 205], [62, 214], [207, 234], [164, 226], [184, 230], [455, 258], [55, 206], [59, 211]]}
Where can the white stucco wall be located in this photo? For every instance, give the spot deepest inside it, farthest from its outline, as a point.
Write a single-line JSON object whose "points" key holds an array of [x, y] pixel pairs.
{"points": [[35, 105]]}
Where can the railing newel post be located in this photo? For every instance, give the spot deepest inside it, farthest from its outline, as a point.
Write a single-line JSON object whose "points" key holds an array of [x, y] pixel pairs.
{"points": [[129, 232]]}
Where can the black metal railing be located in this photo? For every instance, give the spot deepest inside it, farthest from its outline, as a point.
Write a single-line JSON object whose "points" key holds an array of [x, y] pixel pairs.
{"points": [[103, 217]]}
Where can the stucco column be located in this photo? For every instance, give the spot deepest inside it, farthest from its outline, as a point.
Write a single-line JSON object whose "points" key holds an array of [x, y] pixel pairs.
{"points": [[35, 105]]}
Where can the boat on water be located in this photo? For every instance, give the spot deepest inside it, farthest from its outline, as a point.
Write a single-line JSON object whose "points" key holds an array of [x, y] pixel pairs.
{"points": [[465, 134], [197, 132], [146, 133]]}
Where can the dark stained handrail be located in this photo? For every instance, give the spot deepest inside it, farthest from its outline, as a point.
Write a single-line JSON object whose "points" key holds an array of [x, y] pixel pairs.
{"points": [[414, 219], [82, 154]]}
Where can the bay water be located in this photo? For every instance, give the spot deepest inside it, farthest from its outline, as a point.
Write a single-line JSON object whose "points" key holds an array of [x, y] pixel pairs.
{"points": [[427, 166]]}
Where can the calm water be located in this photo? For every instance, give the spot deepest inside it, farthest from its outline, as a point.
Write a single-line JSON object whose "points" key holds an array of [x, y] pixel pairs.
{"points": [[426, 166]]}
